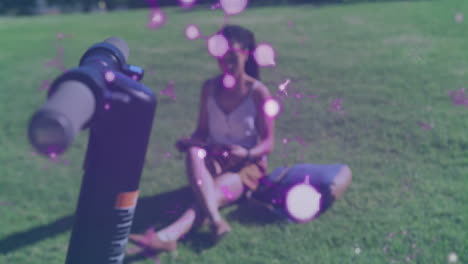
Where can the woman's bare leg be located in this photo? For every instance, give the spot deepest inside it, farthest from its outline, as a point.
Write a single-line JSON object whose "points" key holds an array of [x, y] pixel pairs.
{"points": [[341, 182], [180, 227], [228, 189], [202, 183]]}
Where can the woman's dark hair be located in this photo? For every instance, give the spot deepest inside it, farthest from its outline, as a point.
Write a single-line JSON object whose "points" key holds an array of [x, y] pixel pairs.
{"points": [[246, 38]]}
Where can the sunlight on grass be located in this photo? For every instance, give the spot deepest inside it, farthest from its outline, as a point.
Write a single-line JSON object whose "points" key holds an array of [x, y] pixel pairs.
{"points": [[392, 64]]}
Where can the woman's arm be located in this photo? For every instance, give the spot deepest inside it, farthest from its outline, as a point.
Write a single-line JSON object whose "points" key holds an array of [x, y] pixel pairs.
{"points": [[264, 124]]}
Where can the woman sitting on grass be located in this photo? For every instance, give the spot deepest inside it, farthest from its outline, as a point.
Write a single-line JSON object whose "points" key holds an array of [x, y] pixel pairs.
{"points": [[226, 156], [239, 135]]}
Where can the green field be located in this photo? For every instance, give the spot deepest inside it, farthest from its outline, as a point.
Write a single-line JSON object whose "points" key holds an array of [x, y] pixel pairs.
{"points": [[393, 65]]}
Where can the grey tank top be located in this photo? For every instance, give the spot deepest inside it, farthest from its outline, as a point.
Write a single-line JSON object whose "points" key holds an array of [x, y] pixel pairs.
{"points": [[236, 127]]}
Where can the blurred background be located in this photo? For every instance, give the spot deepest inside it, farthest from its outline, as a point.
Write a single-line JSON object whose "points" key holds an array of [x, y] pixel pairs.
{"points": [[37, 7], [372, 85]]}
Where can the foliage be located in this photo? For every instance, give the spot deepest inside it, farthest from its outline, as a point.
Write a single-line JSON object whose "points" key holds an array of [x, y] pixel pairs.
{"points": [[17, 7]]}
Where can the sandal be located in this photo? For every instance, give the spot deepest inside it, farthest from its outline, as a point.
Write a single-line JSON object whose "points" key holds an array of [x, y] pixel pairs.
{"points": [[219, 230], [152, 242]]}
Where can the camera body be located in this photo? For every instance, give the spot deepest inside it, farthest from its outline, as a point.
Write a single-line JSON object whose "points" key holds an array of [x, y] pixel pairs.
{"points": [[82, 94], [103, 94]]}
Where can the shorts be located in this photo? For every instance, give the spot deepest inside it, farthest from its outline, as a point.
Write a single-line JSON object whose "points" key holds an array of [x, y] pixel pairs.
{"points": [[250, 172], [320, 176]]}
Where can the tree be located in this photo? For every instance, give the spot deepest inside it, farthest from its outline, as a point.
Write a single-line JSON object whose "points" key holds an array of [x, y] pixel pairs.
{"points": [[110, 4], [18, 7], [85, 5]]}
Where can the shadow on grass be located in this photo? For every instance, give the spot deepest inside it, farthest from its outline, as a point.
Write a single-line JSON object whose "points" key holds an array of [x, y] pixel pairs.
{"points": [[157, 211], [251, 215], [22, 239], [160, 210]]}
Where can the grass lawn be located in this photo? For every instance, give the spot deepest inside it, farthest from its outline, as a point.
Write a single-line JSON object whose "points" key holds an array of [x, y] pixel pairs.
{"points": [[392, 64]]}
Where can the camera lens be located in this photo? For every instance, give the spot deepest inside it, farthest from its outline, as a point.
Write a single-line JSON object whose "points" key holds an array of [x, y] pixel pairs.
{"points": [[47, 133]]}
